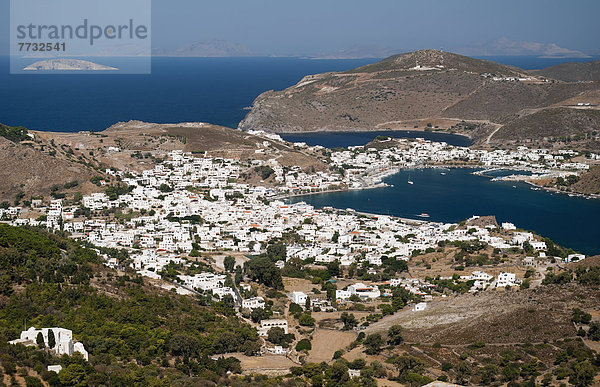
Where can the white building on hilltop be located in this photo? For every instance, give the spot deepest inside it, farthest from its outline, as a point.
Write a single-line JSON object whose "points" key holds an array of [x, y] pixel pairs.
{"points": [[64, 344]]}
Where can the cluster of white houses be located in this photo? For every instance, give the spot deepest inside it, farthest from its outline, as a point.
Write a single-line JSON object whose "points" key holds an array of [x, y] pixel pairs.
{"points": [[235, 217], [169, 215]]}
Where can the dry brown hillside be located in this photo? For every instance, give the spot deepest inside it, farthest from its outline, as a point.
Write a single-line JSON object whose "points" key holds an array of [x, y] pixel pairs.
{"points": [[32, 172], [410, 90], [55, 159], [572, 72], [569, 127], [589, 183]]}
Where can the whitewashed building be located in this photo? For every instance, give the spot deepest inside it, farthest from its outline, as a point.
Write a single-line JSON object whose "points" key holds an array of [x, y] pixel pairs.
{"points": [[64, 344]]}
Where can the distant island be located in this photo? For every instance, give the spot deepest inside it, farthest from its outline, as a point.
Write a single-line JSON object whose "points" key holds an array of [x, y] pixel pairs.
{"points": [[206, 49], [67, 65]]}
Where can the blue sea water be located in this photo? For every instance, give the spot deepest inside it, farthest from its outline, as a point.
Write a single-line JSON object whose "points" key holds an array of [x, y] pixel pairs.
{"points": [[570, 221], [214, 90]]}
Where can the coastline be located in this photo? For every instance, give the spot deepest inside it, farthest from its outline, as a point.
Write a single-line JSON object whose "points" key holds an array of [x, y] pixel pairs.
{"points": [[382, 184]]}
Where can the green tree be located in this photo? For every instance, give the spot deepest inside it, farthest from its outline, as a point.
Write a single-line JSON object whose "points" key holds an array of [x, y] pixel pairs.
{"points": [[73, 375], [406, 364], [334, 268], [259, 314], [32, 381], [229, 263], [184, 345], [303, 345], [528, 248], [395, 335], [276, 335], [239, 274], [250, 348], [295, 309], [330, 288], [39, 340], [583, 374], [338, 373], [277, 251], [594, 331], [349, 321], [373, 344], [306, 320], [264, 271], [580, 317], [51, 339]]}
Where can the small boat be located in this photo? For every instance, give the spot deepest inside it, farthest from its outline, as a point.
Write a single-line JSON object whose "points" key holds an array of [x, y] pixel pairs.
{"points": [[410, 182], [442, 173], [423, 215]]}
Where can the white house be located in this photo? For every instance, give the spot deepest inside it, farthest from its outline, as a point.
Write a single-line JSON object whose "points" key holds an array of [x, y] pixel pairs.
{"points": [[538, 246], [506, 279], [420, 306], [508, 226], [299, 298], [477, 275], [265, 325], [574, 257], [223, 291], [253, 303], [364, 291], [342, 295], [204, 281], [64, 344], [277, 350]]}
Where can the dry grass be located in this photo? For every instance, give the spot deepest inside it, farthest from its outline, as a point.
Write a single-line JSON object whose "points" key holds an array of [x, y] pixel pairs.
{"points": [[325, 342]]}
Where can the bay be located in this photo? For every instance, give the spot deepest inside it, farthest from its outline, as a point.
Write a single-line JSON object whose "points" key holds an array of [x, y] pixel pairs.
{"points": [[572, 222]]}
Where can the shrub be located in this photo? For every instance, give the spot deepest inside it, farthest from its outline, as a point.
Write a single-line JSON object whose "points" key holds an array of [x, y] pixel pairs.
{"points": [[303, 345]]}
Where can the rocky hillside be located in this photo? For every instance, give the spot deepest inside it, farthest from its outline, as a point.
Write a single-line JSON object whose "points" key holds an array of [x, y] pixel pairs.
{"points": [[63, 163], [28, 167], [589, 183], [573, 128], [414, 88], [572, 72]]}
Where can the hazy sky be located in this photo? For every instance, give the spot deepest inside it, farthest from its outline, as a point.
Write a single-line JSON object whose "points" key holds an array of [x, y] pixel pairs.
{"points": [[310, 26]]}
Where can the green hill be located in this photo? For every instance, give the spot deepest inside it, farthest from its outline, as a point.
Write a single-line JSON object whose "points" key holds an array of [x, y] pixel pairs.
{"points": [[135, 334]]}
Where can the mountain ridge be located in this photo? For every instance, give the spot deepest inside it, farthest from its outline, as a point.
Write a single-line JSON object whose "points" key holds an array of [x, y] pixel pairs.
{"points": [[424, 85]]}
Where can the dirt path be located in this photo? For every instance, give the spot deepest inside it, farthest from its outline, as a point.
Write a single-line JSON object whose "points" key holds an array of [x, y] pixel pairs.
{"points": [[489, 138]]}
